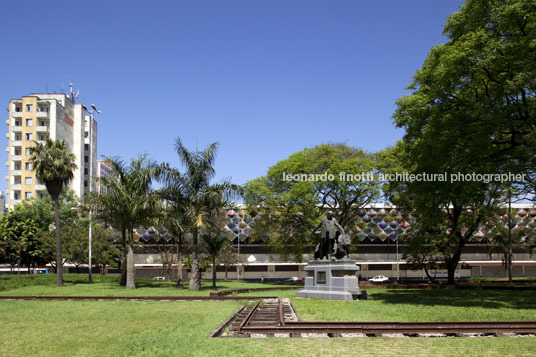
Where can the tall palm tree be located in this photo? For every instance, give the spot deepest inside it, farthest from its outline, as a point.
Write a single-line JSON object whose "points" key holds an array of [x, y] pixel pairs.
{"points": [[192, 193], [127, 202], [54, 166]]}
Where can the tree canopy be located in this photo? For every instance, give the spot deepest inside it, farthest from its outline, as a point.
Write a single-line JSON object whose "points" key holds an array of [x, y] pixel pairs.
{"points": [[290, 208]]}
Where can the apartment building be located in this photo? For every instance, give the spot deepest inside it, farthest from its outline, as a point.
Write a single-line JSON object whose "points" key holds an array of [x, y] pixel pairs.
{"points": [[104, 169], [35, 118]]}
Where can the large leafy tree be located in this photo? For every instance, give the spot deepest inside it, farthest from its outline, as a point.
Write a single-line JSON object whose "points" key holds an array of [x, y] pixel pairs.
{"points": [[471, 109], [54, 166], [128, 201], [290, 208], [192, 194], [19, 239]]}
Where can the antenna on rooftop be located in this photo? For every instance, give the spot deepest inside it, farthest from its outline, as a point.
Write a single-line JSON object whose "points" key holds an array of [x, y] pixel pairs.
{"points": [[72, 95]]}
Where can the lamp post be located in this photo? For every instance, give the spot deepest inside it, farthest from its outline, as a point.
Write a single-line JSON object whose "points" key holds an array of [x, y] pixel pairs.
{"points": [[90, 155], [238, 255], [509, 235], [397, 268]]}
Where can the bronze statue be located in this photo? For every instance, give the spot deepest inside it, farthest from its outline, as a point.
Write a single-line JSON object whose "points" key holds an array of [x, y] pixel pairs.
{"points": [[326, 248]]}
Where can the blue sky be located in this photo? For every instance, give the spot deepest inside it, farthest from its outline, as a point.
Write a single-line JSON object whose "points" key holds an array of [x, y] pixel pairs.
{"points": [[263, 78]]}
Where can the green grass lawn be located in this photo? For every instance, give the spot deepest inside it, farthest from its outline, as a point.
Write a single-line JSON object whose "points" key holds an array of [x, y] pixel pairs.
{"points": [[77, 285], [180, 328]]}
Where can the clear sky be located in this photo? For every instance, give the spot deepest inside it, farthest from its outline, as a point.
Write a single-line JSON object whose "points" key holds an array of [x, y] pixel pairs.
{"points": [[263, 78]]}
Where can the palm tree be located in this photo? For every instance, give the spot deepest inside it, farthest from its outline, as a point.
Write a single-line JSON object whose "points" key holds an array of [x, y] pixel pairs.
{"points": [[54, 166], [193, 195], [127, 202], [172, 219]]}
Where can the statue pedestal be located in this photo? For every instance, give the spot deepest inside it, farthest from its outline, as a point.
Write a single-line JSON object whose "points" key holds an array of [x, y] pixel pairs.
{"points": [[332, 280]]}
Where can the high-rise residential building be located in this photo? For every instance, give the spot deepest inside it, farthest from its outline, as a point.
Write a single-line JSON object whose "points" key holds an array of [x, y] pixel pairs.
{"points": [[104, 169], [35, 118], [2, 203]]}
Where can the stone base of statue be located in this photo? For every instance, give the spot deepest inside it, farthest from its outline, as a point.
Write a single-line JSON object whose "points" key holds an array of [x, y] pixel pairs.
{"points": [[332, 280]]}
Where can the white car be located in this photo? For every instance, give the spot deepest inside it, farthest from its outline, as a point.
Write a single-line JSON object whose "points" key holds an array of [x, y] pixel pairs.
{"points": [[379, 279], [159, 278]]}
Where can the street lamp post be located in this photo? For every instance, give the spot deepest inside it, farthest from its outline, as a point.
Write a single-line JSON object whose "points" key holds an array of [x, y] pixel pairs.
{"points": [[90, 155], [397, 268], [238, 255], [510, 235]]}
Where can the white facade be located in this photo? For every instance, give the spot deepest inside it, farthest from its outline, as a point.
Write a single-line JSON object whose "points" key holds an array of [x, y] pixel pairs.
{"points": [[104, 169]]}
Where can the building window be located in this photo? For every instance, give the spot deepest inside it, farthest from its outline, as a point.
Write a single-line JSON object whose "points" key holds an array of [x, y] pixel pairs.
{"points": [[16, 167], [85, 183], [28, 136], [16, 195], [86, 158], [86, 147], [18, 109], [29, 107], [16, 152], [17, 137], [86, 171], [29, 122], [42, 137], [28, 166], [28, 152], [86, 134], [17, 180], [42, 109], [42, 123], [27, 180], [17, 122], [28, 195]]}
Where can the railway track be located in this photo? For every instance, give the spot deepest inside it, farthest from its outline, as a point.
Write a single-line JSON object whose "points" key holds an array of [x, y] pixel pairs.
{"points": [[141, 298], [275, 317], [278, 318]]}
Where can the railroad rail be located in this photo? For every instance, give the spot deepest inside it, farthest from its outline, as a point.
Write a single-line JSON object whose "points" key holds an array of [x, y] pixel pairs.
{"points": [[155, 298], [278, 318]]}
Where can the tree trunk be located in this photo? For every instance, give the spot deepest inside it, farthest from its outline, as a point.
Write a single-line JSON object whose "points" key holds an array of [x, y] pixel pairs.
{"points": [[123, 280], [180, 279], [195, 280], [59, 258], [226, 271], [214, 272], [130, 267], [427, 272]]}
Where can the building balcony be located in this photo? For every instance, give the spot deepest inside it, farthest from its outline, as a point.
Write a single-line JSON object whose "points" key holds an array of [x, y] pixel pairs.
{"points": [[16, 172], [16, 157], [42, 129], [16, 187], [16, 143], [16, 128], [42, 114], [40, 187], [7, 121], [16, 114]]}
